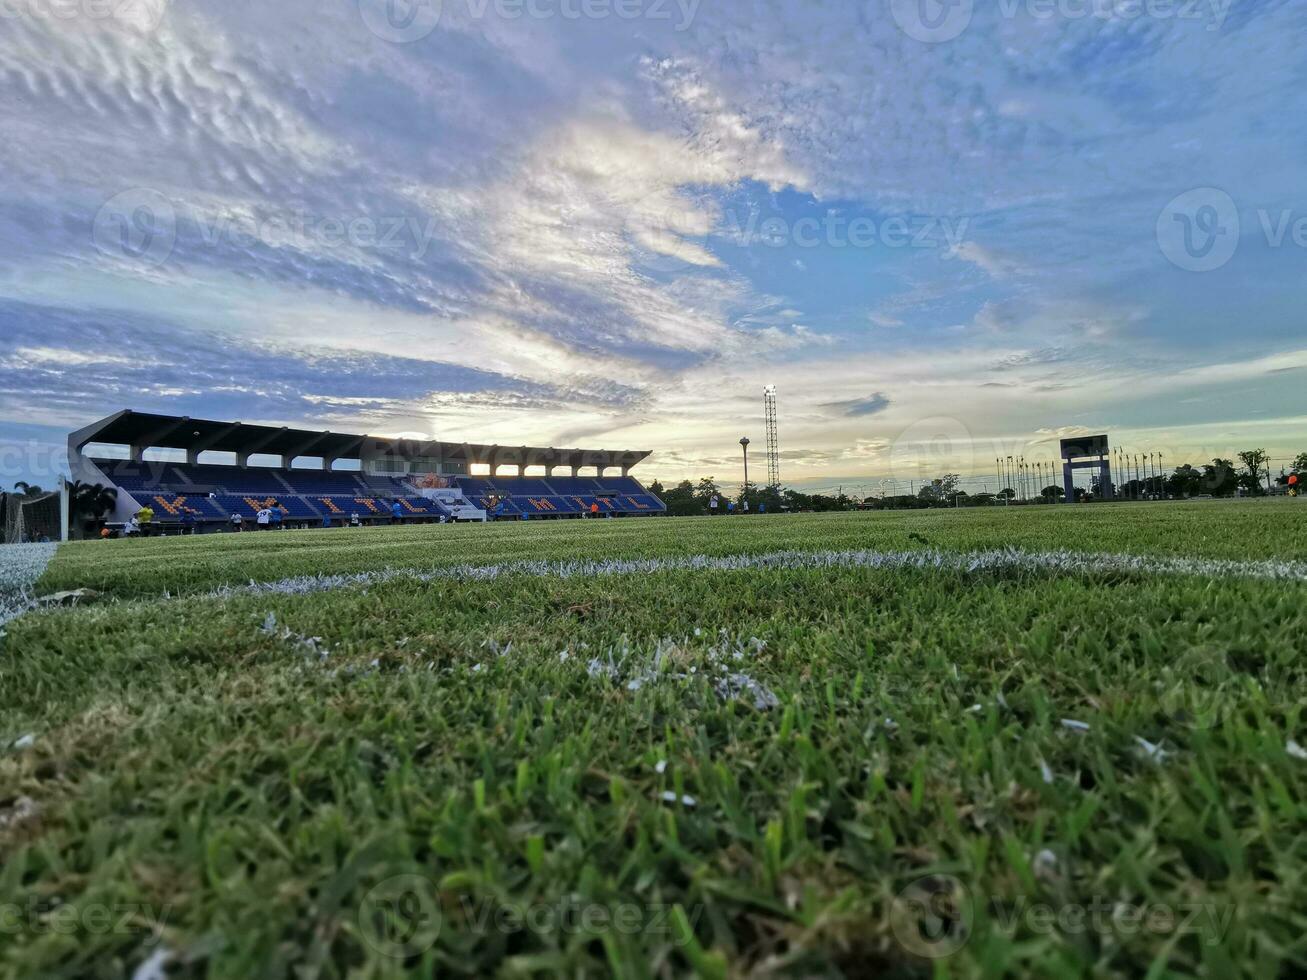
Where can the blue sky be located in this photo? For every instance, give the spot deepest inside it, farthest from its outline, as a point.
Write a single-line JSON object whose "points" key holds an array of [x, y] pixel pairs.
{"points": [[947, 231]]}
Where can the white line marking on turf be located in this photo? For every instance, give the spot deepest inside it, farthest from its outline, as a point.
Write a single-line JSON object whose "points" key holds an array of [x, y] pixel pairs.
{"points": [[20, 567], [1055, 563]]}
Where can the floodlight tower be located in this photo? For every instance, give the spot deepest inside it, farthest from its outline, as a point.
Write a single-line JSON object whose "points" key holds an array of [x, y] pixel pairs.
{"points": [[745, 444], [773, 441]]}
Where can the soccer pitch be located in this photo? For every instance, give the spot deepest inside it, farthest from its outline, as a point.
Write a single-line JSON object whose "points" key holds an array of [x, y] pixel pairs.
{"points": [[1032, 741]]}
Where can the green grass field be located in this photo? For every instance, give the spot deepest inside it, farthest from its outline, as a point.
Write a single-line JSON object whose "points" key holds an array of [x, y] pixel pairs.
{"points": [[954, 770]]}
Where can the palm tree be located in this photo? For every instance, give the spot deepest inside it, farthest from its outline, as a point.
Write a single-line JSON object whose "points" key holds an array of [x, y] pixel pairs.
{"points": [[25, 489], [90, 501], [93, 499]]}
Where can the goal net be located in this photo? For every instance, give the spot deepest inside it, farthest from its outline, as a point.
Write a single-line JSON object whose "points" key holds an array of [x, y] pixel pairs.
{"points": [[28, 519]]}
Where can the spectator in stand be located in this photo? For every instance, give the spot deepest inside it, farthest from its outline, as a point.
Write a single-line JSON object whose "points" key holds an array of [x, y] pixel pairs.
{"points": [[263, 518], [397, 512], [237, 521]]}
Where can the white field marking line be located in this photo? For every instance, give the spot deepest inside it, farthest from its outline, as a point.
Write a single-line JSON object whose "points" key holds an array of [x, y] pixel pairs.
{"points": [[20, 567], [1057, 562]]}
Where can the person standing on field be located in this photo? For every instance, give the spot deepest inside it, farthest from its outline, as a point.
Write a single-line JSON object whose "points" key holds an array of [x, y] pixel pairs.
{"points": [[237, 521], [263, 518], [712, 505]]}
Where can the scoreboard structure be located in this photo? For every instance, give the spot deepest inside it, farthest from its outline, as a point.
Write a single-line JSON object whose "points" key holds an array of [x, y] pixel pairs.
{"points": [[1087, 453]]}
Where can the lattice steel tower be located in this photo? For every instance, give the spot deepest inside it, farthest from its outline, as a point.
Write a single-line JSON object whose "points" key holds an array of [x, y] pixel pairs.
{"points": [[773, 443]]}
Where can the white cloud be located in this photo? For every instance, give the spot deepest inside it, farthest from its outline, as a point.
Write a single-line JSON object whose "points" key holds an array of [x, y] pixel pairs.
{"points": [[998, 266]]}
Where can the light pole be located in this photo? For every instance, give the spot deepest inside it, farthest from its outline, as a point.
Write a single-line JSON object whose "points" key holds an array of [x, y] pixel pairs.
{"points": [[745, 444]]}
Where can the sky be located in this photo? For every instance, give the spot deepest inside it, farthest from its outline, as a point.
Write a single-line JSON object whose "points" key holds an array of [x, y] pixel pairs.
{"points": [[946, 231]]}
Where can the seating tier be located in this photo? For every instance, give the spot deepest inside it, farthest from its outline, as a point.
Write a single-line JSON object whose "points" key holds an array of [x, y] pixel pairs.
{"points": [[173, 489]]}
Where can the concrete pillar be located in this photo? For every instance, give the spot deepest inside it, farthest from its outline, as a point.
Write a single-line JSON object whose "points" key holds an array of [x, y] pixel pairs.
{"points": [[136, 454], [1069, 483], [65, 509]]}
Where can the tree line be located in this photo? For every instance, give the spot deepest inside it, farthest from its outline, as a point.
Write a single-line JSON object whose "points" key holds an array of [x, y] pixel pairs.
{"points": [[1251, 477], [687, 499]]}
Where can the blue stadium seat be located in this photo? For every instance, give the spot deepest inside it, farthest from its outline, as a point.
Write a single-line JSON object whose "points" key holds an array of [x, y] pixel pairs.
{"points": [[308, 482], [523, 487], [232, 479], [136, 478], [607, 505], [474, 487], [620, 484], [566, 505], [170, 507], [339, 506], [308, 494], [417, 506], [511, 507], [640, 503], [248, 505], [573, 485], [546, 506]]}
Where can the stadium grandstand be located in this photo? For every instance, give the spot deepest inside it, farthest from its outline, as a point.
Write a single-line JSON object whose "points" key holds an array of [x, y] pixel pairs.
{"points": [[201, 472]]}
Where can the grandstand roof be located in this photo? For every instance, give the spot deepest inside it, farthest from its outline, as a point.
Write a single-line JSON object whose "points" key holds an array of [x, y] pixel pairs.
{"points": [[144, 430]]}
